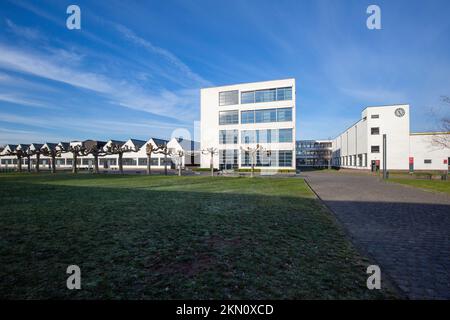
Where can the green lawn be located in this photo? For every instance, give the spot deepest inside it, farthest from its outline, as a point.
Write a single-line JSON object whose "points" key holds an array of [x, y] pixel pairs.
{"points": [[157, 237], [433, 185]]}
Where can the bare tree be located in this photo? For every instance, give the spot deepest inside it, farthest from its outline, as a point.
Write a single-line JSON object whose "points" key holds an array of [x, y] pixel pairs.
{"points": [[20, 155], [163, 149], [49, 150], [117, 147], [212, 152], [149, 150], [36, 151], [96, 149], [443, 140], [77, 151], [252, 153]]}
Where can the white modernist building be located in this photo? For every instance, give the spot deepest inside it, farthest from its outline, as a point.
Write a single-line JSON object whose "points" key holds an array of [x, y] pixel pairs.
{"points": [[249, 115], [361, 145]]}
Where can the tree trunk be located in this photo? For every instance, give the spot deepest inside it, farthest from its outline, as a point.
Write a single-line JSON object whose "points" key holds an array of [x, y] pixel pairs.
{"points": [[165, 164], [96, 170], [38, 157], [179, 168], [29, 163], [120, 163], [149, 165], [19, 159], [53, 164], [211, 165], [74, 162]]}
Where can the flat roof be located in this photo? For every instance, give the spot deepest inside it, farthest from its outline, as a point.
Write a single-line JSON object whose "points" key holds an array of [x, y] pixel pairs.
{"points": [[241, 83]]}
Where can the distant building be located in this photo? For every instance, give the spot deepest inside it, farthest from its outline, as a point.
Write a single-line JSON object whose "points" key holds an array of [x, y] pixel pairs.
{"points": [[361, 145], [245, 115], [313, 153]]}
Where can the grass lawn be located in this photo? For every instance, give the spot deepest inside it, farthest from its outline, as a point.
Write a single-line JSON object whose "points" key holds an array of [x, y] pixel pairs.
{"points": [[433, 185], [141, 237]]}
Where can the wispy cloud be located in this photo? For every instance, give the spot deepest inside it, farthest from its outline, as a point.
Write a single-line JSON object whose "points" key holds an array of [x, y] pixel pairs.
{"points": [[17, 99], [23, 32], [166, 54], [122, 93]]}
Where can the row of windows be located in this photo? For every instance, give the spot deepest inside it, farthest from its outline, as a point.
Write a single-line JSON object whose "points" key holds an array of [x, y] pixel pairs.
{"points": [[266, 115], [266, 136], [90, 162], [359, 160], [268, 95], [255, 116], [275, 158], [227, 98], [228, 159], [256, 136]]}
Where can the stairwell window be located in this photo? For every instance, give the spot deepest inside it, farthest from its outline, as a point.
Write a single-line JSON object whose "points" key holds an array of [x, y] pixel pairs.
{"points": [[375, 131], [375, 149]]}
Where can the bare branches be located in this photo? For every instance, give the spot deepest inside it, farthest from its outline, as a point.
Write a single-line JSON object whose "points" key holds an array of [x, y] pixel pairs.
{"points": [[442, 139], [212, 152]]}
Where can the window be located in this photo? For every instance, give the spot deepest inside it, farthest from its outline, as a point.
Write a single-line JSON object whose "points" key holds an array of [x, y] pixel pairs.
{"points": [[228, 136], [284, 114], [375, 116], [60, 162], [248, 116], [228, 159], [88, 162], [427, 161], [375, 149], [228, 117], [285, 135], [143, 161], [285, 158], [248, 136], [265, 95], [266, 158], [374, 131], [284, 94], [248, 97], [129, 161], [227, 98], [268, 115], [265, 136]]}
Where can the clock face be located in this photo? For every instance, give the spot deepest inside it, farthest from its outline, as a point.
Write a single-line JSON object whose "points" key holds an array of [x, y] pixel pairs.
{"points": [[400, 112]]}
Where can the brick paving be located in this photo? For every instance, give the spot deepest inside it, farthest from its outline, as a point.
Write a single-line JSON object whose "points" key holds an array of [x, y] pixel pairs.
{"points": [[406, 230]]}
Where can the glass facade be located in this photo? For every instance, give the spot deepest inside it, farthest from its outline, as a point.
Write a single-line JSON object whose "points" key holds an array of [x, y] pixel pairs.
{"points": [[228, 117], [268, 95], [228, 159], [270, 158], [284, 114], [227, 98], [248, 116], [266, 136], [228, 136], [266, 115]]}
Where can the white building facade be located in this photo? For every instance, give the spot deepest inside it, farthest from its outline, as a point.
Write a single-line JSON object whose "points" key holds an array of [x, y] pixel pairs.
{"points": [[249, 115], [361, 145]]}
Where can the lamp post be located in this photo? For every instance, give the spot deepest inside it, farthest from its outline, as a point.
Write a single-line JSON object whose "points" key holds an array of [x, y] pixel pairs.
{"points": [[385, 175]]}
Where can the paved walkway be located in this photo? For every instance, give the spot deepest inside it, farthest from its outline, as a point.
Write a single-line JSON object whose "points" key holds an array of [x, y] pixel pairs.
{"points": [[406, 230]]}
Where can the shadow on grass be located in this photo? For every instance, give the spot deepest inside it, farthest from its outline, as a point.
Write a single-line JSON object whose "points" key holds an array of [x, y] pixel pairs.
{"points": [[135, 243]]}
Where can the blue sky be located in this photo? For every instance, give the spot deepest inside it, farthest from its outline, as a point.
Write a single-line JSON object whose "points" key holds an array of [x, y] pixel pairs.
{"points": [[135, 68]]}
